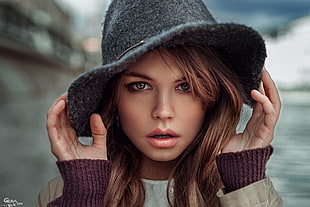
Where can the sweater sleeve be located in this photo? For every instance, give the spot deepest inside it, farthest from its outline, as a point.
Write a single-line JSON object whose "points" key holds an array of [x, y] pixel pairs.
{"points": [[239, 169], [85, 183]]}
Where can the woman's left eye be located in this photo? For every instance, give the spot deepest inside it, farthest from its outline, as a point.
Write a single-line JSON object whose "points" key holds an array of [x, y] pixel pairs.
{"points": [[185, 87]]}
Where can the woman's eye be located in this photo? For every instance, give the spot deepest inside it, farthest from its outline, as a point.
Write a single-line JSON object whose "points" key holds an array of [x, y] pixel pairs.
{"points": [[185, 87], [138, 86]]}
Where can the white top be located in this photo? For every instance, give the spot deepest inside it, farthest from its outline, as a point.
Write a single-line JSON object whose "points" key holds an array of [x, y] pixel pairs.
{"points": [[155, 192]]}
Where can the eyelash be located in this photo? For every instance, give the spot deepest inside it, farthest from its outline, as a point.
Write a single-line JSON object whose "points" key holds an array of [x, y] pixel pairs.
{"points": [[188, 90], [135, 88]]}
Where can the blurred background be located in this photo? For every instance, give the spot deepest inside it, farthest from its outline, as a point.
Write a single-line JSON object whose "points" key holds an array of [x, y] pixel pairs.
{"points": [[45, 44]]}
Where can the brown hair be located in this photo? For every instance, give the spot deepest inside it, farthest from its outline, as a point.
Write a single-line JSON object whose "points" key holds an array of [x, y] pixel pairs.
{"points": [[195, 174]]}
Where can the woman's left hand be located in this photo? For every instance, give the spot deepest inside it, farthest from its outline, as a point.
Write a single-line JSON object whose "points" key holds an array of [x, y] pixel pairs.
{"points": [[259, 130]]}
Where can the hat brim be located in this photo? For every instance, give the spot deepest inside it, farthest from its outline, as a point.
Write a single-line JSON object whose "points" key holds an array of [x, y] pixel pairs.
{"points": [[241, 49]]}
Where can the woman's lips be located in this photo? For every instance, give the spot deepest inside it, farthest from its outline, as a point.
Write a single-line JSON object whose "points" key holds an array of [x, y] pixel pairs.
{"points": [[163, 138], [159, 132]]}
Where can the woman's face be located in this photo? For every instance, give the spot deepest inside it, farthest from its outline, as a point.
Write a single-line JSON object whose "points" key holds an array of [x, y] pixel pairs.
{"points": [[156, 108]]}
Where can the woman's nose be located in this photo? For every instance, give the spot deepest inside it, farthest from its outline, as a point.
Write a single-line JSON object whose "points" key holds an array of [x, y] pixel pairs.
{"points": [[163, 107]]}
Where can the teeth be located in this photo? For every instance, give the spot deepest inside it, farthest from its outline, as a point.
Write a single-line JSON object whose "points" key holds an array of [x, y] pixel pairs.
{"points": [[162, 136]]}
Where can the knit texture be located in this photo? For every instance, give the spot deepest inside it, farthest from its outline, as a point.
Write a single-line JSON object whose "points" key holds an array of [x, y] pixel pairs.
{"points": [[240, 169], [85, 182]]}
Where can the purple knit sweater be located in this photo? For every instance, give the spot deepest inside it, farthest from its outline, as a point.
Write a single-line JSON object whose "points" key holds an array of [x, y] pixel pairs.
{"points": [[86, 181]]}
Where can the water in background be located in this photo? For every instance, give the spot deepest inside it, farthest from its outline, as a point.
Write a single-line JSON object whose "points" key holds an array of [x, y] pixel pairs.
{"points": [[26, 162], [289, 167]]}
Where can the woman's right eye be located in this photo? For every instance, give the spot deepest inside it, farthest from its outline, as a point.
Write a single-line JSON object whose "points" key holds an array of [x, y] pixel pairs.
{"points": [[138, 86]]}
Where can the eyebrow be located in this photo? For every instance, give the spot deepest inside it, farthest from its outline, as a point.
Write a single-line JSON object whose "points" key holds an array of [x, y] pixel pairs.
{"points": [[139, 75]]}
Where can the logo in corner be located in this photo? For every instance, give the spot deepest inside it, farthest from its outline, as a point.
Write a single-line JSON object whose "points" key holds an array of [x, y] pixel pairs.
{"points": [[8, 202]]}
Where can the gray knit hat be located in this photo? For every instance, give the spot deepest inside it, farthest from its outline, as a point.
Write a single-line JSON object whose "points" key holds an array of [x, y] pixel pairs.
{"points": [[134, 27]]}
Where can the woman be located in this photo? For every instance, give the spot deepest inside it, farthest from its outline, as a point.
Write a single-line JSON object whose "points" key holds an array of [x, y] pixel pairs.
{"points": [[163, 111]]}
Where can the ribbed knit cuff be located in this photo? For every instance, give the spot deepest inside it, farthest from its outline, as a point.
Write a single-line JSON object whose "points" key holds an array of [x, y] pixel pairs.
{"points": [[85, 182], [239, 169]]}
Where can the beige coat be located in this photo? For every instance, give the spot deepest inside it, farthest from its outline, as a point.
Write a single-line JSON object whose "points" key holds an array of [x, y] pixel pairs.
{"points": [[258, 194]]}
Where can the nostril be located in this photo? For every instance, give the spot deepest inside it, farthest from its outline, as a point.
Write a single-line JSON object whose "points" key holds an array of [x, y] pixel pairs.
{"points": [[163, 114]]}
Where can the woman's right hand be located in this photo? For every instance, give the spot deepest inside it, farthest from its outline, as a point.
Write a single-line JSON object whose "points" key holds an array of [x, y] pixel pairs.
{"points": [[63, 138]]}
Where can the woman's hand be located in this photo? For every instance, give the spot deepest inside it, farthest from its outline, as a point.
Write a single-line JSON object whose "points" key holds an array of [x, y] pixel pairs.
{"points": [[63, 139], [259, 130]]}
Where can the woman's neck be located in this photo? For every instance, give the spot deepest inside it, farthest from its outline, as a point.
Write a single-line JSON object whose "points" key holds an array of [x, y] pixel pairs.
{"points": [[155, 170]]}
